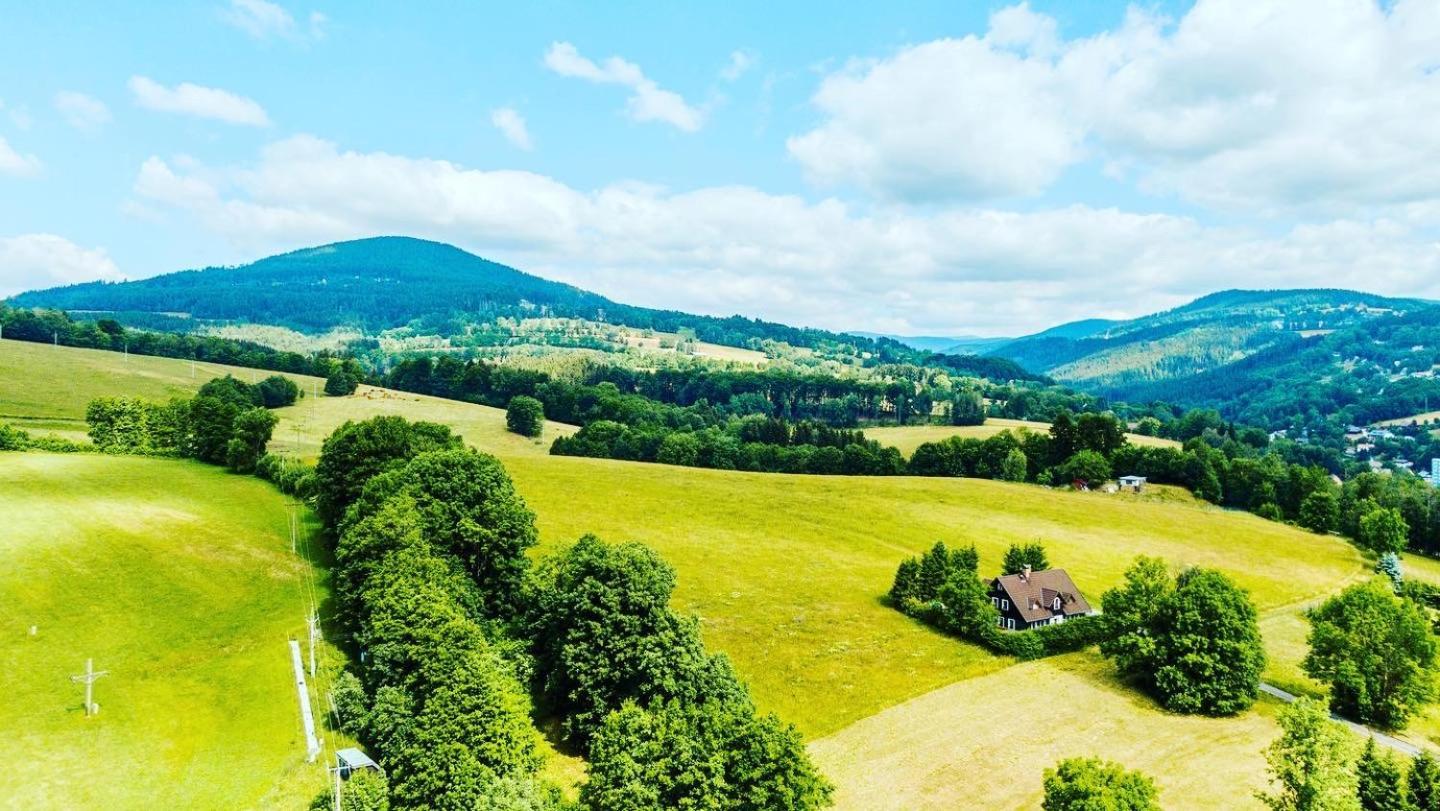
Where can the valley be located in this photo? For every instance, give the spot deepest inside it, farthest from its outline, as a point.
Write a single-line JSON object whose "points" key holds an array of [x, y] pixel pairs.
{"points": [[789, 585]]}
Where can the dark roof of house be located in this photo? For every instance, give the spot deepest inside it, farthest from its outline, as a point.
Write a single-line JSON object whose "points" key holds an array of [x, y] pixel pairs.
{"points": [[1034, 596]]}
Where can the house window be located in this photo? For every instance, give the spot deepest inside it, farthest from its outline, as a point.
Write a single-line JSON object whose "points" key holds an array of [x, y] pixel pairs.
{"points": [[1000, 622], [1057, 603], [1004, 605], [1010, 624], [995, 601]]}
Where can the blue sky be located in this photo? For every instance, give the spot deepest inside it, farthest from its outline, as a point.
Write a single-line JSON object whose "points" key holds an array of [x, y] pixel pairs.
{"points": [[918, 167]]}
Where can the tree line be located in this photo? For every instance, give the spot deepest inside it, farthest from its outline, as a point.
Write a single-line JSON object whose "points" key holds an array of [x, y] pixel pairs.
{"points": [[461, 640], [228, 422], [58, 327]]}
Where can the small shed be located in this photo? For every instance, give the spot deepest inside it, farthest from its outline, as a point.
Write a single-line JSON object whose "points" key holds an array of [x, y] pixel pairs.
{"points": [[348, 761], [1134, 484]]}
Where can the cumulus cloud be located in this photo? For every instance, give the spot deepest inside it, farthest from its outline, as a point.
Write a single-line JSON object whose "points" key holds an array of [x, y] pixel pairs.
{"points": [[512, 125], [200, 102], [1236, 104], [647, 102], [34, 261], [81, 111], [723, 250], [15, 164]]}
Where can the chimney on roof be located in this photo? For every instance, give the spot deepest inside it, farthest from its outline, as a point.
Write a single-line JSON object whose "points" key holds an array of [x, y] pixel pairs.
{"points": [[1025, 573]]}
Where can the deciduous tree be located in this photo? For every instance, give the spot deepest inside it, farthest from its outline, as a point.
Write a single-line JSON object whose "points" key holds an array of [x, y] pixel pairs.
{"points": [[1376, 652]]}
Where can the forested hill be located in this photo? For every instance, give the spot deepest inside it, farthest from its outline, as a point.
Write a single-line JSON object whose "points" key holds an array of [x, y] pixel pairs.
{"points": [[1161, 352], [385, 282], [372, 284]]}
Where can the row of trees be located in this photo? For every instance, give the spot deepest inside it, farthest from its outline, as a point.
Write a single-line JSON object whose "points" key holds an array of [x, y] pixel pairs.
{"points": [[54, 326], [228, 422], [464, 640], [728, 449]]}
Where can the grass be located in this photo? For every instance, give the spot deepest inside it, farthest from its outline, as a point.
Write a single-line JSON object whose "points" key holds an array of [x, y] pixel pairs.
{"points": [[787, 574], [909, 437], [985, 743], [49, 382], [179, 580]]}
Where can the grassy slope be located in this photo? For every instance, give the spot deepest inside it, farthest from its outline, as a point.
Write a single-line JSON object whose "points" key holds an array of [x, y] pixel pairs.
{"points": [[942, 749], [177, 578], [787, 572], [74, 377], [908, 438]]}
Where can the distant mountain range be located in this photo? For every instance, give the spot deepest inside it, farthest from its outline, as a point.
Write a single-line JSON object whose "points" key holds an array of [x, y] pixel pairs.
{"points": [[386, 282], [952, 345], [1266, 357], [1210, 333]]}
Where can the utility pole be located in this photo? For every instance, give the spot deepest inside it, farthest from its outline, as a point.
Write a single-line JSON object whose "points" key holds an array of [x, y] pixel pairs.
{"points": [[313, 623], [336, 770], [88, 679]]}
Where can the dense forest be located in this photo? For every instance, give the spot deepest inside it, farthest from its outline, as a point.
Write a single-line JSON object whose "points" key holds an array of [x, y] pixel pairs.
{"points": [[388, 282]]}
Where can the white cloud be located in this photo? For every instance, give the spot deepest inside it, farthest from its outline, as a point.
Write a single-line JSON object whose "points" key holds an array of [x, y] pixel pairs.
{"points": [[318, 24], [200, 102], [1237, 104], [724, 250], [512, 125], [34, 261], [14, 163], [740, 63], [647, 102], [265, 20], [958, 119], [81, 111]]}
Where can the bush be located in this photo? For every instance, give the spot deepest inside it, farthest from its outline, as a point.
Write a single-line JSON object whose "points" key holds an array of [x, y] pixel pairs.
{"points": [[525, 416], [1090, 784], [13, 439], [292, 476], [278, 391]]}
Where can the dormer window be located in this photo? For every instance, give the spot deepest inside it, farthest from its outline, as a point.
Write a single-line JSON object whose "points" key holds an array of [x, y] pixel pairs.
{"points": [[1057, 603]]}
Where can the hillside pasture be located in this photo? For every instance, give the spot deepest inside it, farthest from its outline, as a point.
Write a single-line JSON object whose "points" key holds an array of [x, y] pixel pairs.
{"points": [[179, 580], [788, 573], [49, 383], [985, 743], [907, 438]]}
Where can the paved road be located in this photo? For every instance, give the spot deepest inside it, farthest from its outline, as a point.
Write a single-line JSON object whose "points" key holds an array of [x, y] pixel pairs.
{"points": [[1359, 729]]}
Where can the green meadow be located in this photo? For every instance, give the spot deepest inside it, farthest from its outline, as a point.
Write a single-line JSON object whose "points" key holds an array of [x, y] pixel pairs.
{"points": [[787, 574], [179, 580]]}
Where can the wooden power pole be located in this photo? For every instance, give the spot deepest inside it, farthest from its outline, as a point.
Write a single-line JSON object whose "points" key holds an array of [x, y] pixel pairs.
{"points": [[88, 679]]}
